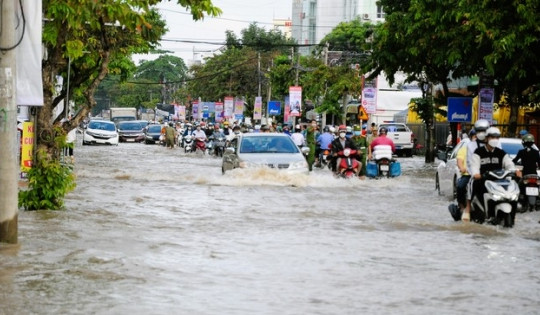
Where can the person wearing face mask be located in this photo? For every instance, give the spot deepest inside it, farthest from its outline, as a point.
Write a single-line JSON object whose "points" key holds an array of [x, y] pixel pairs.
{"points": [[480, 127], [489, 158], [530, 160], [339, 144]]}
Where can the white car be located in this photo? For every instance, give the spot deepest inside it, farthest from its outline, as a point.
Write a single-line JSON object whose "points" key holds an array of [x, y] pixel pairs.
{"points": [[272, 150], [100, 132], [448, 173]]}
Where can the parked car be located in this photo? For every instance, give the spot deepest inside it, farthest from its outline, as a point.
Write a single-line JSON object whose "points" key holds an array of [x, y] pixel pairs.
{"points": [[152, 134], [130, 131], [448, 173], [273, 150], [100, 132]]}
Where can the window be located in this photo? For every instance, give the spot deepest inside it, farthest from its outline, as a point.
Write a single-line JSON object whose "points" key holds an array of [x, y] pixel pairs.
{"points": [[380, 12]]}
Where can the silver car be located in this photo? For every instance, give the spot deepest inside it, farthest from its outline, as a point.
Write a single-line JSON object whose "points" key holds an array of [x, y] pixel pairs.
{"points": [[272, 150], [448, 173]]}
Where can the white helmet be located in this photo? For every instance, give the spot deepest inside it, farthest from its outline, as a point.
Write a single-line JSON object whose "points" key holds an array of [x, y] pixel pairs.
{"points": [[493, 132], [349, 129], [481, 125]]}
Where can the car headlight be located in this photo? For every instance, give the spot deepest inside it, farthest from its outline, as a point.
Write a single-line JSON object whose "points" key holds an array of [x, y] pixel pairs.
{"points": [[299, 164]]}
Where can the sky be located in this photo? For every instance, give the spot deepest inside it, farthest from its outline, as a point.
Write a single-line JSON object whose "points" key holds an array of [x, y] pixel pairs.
{"points": [[236, 16]]}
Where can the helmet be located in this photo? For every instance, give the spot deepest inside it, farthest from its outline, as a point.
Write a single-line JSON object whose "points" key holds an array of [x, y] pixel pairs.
{"points": [[342, 128], [364, 126], [349, 129], [226, 123], [523, 132], [356, 128], [528, 138], [332, 129], [170, 124], [493, 132], [472, 132], [326, 129], [481, 125], [383, 131]]}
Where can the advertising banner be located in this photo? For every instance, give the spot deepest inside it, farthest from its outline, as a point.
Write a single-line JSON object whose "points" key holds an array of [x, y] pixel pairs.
{"points": [[274, 108], [195, 110], [29, 54], [219, 112], [239, 107], [257, 108], [459, 109], [27, 147], [229, 107], [369, 95], [181, 112], [295, 101], [485, 104]]}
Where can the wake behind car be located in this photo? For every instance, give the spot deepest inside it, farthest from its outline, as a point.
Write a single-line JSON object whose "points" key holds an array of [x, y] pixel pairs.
{"points": [[130, 131], [100, 132], [272, 150]]}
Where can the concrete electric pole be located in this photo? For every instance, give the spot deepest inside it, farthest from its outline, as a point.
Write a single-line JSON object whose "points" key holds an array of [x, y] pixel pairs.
{"points": [[8, 127]]}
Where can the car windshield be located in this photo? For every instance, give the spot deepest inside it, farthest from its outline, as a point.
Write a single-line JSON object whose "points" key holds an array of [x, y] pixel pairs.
{"points": [[511, 148], [269, 144], [129, 126], [394, 127], [101, 125], [154, 128]]}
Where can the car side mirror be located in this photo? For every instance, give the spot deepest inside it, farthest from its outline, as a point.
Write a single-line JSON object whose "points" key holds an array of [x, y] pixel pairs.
{"points": [[230, 149], [442, 155], [305, 150]]}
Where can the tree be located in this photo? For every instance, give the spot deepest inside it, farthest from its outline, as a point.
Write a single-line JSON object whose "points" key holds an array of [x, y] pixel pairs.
{"points": [[94, 38], [234, 72]]}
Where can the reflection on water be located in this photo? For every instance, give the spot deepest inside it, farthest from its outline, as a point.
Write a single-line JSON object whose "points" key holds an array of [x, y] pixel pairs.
{"points": [[154, 231]]}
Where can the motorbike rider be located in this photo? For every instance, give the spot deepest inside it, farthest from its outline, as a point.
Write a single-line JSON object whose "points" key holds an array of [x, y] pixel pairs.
{"points": [[529, 157], [198, 135], [480, 127], [381, 140], [339, 144], [298, 137], [489, 158], [360, 140], [324, 141], [463, 182]]}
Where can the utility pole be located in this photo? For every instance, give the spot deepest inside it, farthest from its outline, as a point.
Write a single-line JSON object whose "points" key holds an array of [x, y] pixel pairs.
{"points": [[8, 127]]}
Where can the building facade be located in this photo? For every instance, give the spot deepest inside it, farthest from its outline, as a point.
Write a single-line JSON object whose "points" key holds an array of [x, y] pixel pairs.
{"points": [[312, 20]]}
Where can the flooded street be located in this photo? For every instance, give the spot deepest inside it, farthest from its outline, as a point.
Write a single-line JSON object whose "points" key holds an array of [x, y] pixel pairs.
{"points": [[150, 230]]}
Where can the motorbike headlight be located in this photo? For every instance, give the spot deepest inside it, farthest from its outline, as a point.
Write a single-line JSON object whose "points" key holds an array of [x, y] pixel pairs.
{"points": [[496, 197]]}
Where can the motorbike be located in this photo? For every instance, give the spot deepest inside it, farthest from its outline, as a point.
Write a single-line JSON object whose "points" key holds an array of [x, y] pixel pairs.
{"points": [[188, 143], [324, 158], [209, 145], [179, 138], [348, 166], [500, 199], [219, 146], [199, 144], [383, 164], [529, 192]]}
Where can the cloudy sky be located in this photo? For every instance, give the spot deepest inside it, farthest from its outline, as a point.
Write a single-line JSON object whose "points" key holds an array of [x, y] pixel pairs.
{"points": [[237, 15]]}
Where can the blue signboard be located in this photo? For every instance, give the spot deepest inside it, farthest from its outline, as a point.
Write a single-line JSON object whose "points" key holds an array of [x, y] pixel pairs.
{"points": [[459, 109], [274, 108]]}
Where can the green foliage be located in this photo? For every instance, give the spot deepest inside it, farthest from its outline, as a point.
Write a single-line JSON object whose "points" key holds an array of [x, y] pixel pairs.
{"points": [[48, 182]]}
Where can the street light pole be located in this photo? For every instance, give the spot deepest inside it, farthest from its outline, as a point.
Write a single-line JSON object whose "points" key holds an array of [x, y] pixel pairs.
{"points": [[8, 128], [66, 105]]}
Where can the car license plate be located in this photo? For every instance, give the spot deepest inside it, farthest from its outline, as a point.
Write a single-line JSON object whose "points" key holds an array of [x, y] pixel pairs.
{"points": [[384, 168], [531, 191]]}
